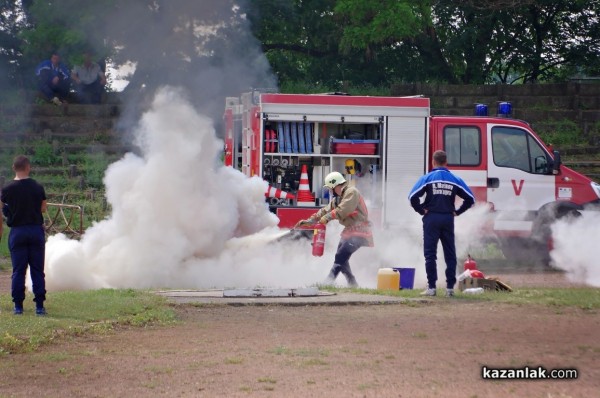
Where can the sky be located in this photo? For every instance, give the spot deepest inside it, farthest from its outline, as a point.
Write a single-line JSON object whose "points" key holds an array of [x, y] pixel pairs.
{"points": [[120, 74]]}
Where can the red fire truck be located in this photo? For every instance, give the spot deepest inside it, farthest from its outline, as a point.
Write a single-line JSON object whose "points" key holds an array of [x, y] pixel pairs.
{"points": [[384, 144]]}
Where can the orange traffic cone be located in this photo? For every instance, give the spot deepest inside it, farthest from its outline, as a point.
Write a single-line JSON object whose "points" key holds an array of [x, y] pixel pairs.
{"points": [[305, 197], [278, 193]]}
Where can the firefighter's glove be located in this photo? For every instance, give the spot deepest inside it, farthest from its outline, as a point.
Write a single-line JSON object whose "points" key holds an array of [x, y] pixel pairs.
{"points": [[325, 219], [303, 223]]}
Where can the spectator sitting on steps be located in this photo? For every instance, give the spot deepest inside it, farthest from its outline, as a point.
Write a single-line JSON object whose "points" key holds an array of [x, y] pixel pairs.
{"points": [[53, 79], [89, 81]]}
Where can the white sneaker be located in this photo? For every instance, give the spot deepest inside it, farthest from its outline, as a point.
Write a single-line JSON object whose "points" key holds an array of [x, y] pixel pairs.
{"points": [[428, 292], [56, 101], [449, 292]]}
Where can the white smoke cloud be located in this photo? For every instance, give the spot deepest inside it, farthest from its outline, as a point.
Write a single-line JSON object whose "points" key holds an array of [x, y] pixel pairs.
{"points": [[575, 242], [180, 219]]}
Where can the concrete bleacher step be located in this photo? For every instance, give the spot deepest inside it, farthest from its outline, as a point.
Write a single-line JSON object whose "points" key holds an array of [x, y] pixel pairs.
{"points": [[540, 103], [92, 147], [32, 110], [81, 120], [587, 150], [525, 113], [51, 171]]}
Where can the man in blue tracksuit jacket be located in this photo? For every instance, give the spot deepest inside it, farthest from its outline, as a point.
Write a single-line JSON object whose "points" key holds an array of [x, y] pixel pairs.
{"points": [[54, 79], [440, 188]]}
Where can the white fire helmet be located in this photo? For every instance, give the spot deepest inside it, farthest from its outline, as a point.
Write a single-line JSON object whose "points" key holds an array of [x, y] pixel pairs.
{"points": [[334, 179]]}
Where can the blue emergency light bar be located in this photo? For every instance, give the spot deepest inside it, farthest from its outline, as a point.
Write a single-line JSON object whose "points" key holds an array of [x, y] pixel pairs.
{"points": [[481, 110], [504, 109]]}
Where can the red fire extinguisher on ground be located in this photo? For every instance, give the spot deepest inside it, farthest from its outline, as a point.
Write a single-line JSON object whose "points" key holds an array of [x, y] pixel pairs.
{"points": [[318, 243], [470, 264]]}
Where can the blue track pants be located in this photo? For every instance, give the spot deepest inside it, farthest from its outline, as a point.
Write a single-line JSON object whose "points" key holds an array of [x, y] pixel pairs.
{"points": [[27, 247], [439, 227]]}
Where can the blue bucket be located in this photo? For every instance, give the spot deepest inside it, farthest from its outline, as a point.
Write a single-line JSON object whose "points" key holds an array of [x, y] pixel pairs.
{"points": [[407, 277]]}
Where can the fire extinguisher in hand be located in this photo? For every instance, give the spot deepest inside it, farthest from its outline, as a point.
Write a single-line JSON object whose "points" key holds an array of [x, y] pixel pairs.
{"points": [[318, 243]]}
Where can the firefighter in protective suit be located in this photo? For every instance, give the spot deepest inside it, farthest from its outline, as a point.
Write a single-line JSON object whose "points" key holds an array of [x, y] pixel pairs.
{"points": [[348, 207]]}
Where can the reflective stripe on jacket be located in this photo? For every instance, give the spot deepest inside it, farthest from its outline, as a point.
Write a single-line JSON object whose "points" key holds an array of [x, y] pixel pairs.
{"points": [[440, 188]]}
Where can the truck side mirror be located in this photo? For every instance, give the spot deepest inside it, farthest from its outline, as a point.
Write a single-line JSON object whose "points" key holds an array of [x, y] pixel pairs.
{"points": [[557, 163]]}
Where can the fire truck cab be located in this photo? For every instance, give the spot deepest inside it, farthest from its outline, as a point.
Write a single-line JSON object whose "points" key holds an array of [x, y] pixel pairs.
{"points": [[383, 144]]}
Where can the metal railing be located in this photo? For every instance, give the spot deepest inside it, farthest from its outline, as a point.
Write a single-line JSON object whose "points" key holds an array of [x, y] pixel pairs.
{"points": [[65, 219]]}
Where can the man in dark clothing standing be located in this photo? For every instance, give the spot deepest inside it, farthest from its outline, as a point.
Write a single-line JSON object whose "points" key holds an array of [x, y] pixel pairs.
{"points": [[23, 203], [440, 188], [89, 80]]}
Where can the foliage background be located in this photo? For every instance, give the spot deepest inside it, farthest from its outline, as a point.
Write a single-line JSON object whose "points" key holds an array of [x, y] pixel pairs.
{"points": [[327, 43]]}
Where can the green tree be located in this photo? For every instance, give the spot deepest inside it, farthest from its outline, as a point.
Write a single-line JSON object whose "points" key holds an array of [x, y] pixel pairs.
{"points": [[549, 36], [67, 26], [294, 34], [169, 41], [12, 21], [302, 40], [207, 45], [476, 42]]}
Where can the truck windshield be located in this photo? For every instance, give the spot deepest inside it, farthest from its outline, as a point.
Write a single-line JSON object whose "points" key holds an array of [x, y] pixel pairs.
{"points": [[516, 148]]}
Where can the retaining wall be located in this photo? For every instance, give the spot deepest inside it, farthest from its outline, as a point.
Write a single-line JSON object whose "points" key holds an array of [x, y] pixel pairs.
{"points": [[538, 104]]}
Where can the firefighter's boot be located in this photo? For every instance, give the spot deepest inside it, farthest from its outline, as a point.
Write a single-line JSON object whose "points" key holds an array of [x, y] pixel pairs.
{"points": [[335, 270], [351, 281], [345, 269]]}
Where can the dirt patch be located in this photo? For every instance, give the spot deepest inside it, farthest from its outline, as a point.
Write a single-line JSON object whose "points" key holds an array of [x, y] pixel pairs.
{"points": [[394, 350], [375, 350]]}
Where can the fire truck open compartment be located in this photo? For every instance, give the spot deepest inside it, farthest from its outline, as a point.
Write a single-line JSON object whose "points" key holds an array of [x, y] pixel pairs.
{"points": [[352, 148], [378, 143]]}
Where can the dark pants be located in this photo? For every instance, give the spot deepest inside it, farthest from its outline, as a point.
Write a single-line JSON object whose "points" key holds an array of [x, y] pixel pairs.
{"points": [[345, 249], [27, 247], [436, 227], [89, 93], [51, 90]]}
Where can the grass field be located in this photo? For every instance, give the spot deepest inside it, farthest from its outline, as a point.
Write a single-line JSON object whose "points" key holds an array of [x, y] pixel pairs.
{"points": [[100, 311], [4, 253], [583, 298], [77, 313]]}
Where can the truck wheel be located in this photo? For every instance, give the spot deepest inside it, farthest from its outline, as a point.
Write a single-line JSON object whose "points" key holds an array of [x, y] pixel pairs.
{"points": [[525, 251], [542, 229]]}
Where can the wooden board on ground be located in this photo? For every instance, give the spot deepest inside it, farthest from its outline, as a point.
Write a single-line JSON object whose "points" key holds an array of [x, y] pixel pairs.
{"points": [[259, 292]]}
